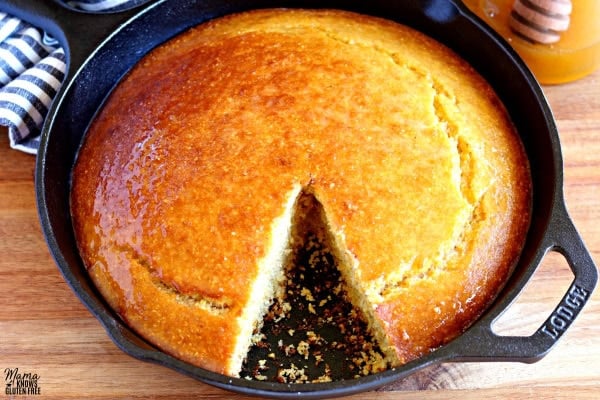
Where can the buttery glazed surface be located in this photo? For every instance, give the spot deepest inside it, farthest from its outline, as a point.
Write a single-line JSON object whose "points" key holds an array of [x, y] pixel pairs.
{"points": [[198, 149]]}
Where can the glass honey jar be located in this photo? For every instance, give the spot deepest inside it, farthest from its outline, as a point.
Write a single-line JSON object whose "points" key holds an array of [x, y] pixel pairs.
{"points": [[558, 39]]}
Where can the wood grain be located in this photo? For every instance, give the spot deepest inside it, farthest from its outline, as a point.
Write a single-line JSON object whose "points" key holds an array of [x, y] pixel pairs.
{"points": [[44, 329]]}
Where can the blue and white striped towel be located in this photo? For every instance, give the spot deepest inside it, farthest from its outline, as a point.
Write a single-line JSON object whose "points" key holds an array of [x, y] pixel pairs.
{"points": [[32, 67]]}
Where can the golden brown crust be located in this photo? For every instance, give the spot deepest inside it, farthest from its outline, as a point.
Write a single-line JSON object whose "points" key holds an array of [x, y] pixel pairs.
{"points": [[410, 152]]}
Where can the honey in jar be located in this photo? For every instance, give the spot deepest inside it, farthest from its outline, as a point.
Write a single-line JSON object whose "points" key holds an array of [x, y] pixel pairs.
{"points": [[558, 39]]}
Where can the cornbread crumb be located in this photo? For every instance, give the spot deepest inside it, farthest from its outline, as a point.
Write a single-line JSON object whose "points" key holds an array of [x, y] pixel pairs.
{"points": [[303, 349], [305, 292], [291, 374]]}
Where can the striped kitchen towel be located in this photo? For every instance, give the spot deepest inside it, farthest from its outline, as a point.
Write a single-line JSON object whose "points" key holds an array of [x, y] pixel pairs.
{"points": [[32, 67]]}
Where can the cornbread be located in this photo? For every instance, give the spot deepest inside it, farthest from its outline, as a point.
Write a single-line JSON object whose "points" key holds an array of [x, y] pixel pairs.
{"points": [[186, 189]]}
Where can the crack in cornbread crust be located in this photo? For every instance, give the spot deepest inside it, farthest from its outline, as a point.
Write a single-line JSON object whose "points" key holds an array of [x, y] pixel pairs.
{"points": [[213, 305], [468, 173], [410, 153]]}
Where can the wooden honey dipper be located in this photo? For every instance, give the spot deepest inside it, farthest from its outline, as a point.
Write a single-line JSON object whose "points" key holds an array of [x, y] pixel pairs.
{"points": [[541, 21]]}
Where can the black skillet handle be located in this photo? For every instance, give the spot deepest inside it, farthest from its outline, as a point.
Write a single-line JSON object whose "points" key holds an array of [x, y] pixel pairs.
{"points": [[481, 344], [78, 32]]}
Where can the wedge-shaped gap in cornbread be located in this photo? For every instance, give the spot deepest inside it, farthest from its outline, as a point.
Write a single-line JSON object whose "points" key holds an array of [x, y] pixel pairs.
{"points": [[313, 332]]}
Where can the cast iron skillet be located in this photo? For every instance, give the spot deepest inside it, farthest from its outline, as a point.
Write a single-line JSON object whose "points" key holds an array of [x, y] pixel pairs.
{"points": [[101, 48]]}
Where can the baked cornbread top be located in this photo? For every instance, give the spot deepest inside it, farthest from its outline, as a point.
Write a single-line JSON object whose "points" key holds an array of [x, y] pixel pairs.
{"points": [[198, 150]]}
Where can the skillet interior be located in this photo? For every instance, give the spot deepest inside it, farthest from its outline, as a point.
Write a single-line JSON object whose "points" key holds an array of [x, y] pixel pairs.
{"points": [[440, 19]]}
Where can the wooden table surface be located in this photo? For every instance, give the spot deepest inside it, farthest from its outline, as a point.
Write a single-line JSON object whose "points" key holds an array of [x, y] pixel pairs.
{"points": [[44, 329]]}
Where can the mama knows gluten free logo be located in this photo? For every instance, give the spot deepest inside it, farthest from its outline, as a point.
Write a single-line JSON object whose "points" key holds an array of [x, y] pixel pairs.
{"points": [[21, 383]]}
